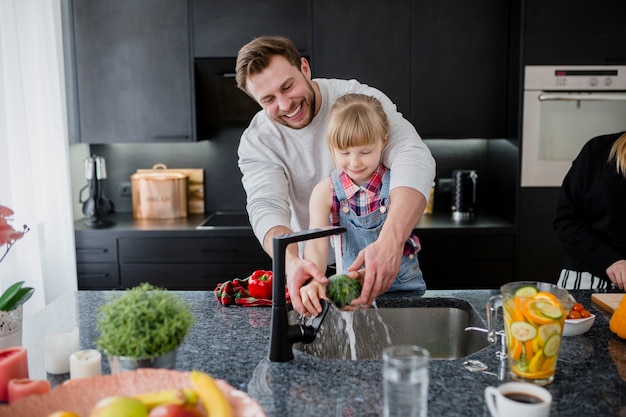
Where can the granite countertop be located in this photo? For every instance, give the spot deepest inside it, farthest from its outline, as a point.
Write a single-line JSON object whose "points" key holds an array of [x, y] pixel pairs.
{"points": [[231, 343]]}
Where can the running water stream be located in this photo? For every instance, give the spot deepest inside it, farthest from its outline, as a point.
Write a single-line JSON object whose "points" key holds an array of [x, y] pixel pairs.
{"points": [[350, 335]]}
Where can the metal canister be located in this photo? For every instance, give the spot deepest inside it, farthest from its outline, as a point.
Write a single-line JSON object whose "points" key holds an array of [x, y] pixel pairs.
{"points": [[159, 195]]}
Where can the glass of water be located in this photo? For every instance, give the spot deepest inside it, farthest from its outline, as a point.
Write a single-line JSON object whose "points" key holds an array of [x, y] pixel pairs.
{"points": [[405, 381]]}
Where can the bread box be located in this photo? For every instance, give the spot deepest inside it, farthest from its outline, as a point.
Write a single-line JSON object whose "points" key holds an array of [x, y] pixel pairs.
{"points": [[159, 194]]}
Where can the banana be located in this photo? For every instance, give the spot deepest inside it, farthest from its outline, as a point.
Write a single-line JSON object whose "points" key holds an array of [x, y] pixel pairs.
{"points": [[211, 396], [181, 396]]}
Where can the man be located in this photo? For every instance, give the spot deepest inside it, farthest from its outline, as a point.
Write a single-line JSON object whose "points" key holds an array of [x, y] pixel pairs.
{"points": [[283, 155]]}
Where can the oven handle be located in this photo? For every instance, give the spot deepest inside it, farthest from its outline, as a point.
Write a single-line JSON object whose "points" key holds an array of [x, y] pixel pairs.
{"points": [[583, 97]]}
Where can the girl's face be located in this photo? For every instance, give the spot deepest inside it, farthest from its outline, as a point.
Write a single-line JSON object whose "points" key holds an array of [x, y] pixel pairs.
{"points": [[359, 162]]}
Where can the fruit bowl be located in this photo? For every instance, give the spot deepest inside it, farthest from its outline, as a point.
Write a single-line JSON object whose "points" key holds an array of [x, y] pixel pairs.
{"points": [[575, 327], [80, 395]]}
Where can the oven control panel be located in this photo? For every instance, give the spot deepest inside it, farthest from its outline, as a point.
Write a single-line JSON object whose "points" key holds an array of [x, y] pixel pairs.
{"points": [[575, 78]]}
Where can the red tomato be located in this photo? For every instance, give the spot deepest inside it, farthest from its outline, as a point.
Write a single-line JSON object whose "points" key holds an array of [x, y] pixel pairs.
{"points": [[573, 315], [577, 307], [584, 313]]}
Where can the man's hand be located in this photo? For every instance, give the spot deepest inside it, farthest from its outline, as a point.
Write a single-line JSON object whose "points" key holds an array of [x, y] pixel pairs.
{"points": [[299, 273], [617, 274], [383, 259]]}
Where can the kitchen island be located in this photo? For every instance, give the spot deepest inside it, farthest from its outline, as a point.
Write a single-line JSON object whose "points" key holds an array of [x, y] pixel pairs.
{"points": [[231, 343]]}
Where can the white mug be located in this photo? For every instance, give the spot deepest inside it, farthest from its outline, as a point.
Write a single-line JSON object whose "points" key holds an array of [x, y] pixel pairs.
{"points": [[518, 399]]}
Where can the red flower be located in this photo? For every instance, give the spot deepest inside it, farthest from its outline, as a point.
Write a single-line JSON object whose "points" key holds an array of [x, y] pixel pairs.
{"points": [[8, 235]]}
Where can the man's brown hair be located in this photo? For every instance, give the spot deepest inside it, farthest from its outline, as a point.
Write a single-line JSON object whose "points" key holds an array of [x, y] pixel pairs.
{"points": [[255, 56]]}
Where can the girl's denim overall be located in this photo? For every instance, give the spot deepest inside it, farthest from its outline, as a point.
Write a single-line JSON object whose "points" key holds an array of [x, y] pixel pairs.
{"points": [[363, 230]]}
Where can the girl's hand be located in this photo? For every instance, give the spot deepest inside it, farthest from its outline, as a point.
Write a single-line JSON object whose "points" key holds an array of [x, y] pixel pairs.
{"points": [[311, 295]]}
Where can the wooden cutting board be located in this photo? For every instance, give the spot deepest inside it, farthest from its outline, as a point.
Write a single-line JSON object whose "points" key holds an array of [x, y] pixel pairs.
{"points": [[608, 302]]}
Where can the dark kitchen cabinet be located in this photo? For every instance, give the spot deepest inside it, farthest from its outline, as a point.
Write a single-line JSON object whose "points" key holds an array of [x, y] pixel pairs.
{"points": [[574, 32], [459, 68], [96, 262], [132, 63], [221, 28], [444, 63], [188, 263], [119, 260], [368, 40], [468, 255]]}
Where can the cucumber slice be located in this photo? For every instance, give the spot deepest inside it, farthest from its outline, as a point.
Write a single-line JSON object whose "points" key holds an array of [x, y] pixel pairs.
{"points": [[551, 347], [527, 291], [551, 311], [523, 331]]}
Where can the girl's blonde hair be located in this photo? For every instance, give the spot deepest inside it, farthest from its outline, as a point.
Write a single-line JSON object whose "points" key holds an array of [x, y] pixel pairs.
{"points": [[356, 120], [618, 153]]}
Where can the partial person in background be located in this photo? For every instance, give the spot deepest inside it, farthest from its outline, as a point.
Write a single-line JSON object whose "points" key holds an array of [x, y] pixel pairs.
{"points": [[283, 155], [356, 195], [590, 218]]}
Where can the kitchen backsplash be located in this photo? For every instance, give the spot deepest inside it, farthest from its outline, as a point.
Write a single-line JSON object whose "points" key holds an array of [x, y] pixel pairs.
{"points": [[223, 189]]}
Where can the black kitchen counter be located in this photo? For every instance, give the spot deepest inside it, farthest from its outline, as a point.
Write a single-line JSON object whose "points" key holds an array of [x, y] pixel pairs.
{"points": [[125, 225], [231, 343]]}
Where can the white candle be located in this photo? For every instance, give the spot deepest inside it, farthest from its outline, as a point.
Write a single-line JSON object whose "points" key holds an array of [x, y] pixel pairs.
{"points": [[57, 350], [85, 363]]}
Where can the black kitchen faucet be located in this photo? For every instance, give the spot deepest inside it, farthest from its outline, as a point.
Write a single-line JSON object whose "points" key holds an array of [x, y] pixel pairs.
{"points": [[283, 335]]}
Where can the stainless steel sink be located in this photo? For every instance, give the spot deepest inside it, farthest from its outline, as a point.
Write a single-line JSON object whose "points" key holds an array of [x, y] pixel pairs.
{"points": [[229, 219], [437, 324]]}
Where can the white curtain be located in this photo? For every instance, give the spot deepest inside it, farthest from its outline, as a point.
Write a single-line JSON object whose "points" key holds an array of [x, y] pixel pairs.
{"points": [[34, 150]]}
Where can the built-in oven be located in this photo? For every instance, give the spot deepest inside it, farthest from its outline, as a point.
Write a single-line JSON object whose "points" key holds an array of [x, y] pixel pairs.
{"points": [[564, 107]]}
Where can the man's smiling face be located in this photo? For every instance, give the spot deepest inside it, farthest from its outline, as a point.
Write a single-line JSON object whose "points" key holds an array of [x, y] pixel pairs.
{"points": [[285, 92]]}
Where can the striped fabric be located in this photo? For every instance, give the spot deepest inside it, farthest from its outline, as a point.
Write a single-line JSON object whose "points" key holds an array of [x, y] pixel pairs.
{"points": [[574, 280]]}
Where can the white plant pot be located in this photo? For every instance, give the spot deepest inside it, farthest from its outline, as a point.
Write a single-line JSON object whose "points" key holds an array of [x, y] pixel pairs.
{"points": [[11, 328]]}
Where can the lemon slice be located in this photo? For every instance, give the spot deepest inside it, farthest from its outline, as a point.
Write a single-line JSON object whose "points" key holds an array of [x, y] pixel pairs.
{"points": [[548, 330]]}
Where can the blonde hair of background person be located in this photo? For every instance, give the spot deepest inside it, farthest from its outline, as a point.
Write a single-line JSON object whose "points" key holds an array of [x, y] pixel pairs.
{"points": [[618, 153], [590, 223]]}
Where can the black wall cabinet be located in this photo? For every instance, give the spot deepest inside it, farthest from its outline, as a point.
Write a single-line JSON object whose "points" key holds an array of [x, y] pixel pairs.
{"points": [[221, 28], [368, 40], [132, 70], [444, 63], [459, 68], [575, 32]]}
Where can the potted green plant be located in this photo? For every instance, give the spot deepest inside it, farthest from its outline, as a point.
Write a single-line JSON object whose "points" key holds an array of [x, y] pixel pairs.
{"points": [[143, 327], [16, 295]]}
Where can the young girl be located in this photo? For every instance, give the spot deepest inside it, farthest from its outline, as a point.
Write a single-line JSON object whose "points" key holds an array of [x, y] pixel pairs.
{"points": [[356, 196]]}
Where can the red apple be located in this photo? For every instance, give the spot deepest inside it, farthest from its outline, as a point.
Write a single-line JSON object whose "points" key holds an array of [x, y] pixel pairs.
{"points": [[174, 410]]}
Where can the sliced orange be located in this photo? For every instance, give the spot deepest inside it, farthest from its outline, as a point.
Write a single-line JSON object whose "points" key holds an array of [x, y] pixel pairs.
{"points": [[546, 296], [515, 349]]}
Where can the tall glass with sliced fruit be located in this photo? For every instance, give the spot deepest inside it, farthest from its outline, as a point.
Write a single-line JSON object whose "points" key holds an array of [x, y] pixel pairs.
{"points": [[533, 315]]}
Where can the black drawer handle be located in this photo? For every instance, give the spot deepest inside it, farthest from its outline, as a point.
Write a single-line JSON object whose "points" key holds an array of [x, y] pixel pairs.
{"points": [[209, 251], [92, 250], [94, 275]]}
